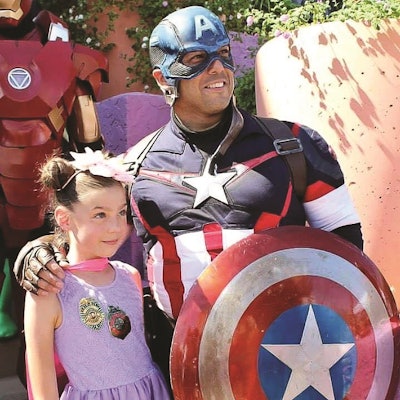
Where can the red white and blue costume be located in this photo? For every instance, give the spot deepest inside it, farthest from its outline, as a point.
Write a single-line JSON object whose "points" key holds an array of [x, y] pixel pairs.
{"points": [[190, 202]]}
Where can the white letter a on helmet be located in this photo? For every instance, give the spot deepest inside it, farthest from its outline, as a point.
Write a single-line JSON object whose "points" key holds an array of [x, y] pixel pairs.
{"points": [[203, 24]]}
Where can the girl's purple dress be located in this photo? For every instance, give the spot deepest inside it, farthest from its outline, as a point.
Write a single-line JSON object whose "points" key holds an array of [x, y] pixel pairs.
{"points": [[101, 366]]}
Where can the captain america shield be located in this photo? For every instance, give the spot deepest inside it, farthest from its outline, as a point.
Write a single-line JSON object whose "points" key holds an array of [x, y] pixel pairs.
{"points": [[291, 313]]}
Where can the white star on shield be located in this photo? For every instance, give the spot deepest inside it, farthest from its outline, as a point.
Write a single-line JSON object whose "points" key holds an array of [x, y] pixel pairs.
{"points": [[310, 360]]}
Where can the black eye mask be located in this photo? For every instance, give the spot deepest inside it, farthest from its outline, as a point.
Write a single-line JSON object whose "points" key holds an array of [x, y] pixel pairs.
{"points": [[182, 71]]}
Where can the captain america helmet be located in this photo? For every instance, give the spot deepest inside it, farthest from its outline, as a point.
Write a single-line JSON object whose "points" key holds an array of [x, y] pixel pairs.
{"points": [[12, 12], [190, 29]]}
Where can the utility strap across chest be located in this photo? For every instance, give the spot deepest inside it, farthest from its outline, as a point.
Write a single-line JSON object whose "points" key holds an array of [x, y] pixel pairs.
{"points": [[290, 148]]}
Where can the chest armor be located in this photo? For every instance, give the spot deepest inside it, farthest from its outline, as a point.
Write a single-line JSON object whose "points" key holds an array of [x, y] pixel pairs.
{"points": [[35, 78], [37, 91], [236, 194]]}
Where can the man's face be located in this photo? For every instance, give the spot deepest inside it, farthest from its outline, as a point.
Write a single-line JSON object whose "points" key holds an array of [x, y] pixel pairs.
{"points": [[210, 92]]}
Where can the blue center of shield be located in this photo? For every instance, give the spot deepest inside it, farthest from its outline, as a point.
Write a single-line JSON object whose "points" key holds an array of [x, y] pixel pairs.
{"points": [[307, 353]]}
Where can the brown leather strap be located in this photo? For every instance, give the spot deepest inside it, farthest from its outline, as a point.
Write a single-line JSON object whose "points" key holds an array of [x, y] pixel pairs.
{"points": [[290, 148]]}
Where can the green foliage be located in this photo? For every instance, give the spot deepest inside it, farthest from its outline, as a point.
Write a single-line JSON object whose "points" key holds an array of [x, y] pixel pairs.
{"points": [[265, 18], [245, 91]]}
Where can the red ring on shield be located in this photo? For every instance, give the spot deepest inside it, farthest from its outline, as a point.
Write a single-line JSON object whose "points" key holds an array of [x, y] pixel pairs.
{"points": [[238, 297]]}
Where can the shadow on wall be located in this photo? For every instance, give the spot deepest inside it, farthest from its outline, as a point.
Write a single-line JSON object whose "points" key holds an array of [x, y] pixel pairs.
{"points": [[124, 120]]}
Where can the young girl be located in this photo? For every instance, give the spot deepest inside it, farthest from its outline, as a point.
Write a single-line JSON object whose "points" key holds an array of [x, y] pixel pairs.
{"points": [[95, 324]]}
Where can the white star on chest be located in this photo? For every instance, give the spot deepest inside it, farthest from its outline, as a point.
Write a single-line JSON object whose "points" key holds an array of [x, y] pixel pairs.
{"points": [[209, 185], [310, 360]]}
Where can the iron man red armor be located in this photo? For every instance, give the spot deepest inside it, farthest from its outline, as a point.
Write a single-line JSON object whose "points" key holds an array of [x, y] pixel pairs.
{"points": [[47, 85]]}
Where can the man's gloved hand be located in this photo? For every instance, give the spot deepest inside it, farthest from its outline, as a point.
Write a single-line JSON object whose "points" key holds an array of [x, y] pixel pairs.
{"points": [[38, 267]]}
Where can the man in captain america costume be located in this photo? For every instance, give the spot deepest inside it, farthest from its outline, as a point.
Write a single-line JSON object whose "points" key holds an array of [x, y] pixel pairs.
{"points": [[212, 176], [47, 89]]}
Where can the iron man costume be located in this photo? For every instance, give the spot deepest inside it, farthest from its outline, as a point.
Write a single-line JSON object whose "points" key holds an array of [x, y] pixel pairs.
{"points": [[47, 85], [190, 205], [47, 89]]}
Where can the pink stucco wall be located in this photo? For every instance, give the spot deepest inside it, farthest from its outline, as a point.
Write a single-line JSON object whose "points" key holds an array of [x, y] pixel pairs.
{"points": [[343, 80]]}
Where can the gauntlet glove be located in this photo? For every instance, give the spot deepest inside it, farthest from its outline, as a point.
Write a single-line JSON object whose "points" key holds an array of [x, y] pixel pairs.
{"points": [[33, 258]]}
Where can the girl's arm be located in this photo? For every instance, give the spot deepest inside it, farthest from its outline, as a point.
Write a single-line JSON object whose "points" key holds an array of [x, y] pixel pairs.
{"points": [[42, 316], [137, 279], [135, 275]]}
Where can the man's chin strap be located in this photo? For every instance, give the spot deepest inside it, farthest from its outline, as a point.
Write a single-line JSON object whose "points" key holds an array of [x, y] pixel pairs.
{"points": [[170, 94]]}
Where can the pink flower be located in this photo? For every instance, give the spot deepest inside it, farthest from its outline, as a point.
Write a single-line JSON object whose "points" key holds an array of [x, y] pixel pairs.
{"points": [[284, 34], [283, 18], [97, 164], [165, 3], [250, 20]]}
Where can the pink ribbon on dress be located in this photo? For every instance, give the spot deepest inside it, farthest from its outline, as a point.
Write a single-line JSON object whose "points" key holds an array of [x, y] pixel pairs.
{"points": [[94, 265]]}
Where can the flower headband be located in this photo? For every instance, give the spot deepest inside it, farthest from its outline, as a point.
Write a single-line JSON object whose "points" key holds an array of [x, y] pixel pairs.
{"points": [[97, 164]]}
